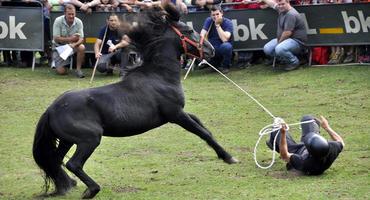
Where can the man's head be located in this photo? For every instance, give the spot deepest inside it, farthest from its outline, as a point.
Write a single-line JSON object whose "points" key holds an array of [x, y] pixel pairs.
{"points": [[70, 13], [113, 21], [216, 12], [283, 5]]}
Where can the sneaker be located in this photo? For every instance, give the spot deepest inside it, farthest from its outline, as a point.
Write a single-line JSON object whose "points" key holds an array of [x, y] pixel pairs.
{"points": [[291, 66], [79, 74], [349, 58]]}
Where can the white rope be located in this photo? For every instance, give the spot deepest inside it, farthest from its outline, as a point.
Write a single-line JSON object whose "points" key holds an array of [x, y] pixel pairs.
{"points": [[276, 126], [250, 96], [191, 66]]}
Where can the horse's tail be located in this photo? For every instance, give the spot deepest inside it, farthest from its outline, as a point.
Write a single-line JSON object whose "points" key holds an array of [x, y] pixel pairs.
{"points": [[45, 154]]}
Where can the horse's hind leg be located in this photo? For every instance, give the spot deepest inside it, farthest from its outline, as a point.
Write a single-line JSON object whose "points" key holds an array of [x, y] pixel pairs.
{"points": [[193, 124], [62, 150], [196, 119], [76, 163]]}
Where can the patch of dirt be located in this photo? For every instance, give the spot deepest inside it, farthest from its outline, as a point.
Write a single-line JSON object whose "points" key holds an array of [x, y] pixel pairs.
{"points": [[127, 189], [292, 174]]}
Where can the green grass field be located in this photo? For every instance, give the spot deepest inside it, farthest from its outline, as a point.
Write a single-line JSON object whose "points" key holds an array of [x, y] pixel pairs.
{"points": [[170, 163]]}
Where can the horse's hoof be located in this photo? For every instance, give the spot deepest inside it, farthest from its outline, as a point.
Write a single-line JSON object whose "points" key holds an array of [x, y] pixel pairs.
{"points": [[72, 182], [231, 160], [89, 194]]}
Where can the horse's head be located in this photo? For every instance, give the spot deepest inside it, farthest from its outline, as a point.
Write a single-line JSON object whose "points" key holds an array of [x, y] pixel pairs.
{"points": [[192, 43], [158, 26]]}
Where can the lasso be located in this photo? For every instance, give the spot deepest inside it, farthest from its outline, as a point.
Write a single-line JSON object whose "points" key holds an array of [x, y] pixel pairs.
{"points": [[276, 126]]}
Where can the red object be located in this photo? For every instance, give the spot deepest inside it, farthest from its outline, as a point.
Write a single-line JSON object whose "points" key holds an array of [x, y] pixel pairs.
{"points": [[320, 55], [253, 6]]}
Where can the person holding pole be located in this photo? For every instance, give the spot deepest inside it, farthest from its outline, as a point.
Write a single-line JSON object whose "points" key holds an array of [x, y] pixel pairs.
{"points": [[68, 30], [314, 154], [107, 46]]}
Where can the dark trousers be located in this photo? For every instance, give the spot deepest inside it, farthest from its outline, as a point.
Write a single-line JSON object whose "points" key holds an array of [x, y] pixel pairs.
{"points": [[308, 130], [223, 55]]}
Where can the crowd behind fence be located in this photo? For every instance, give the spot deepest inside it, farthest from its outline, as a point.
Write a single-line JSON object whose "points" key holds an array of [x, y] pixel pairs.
{"points": [[351, 46]]}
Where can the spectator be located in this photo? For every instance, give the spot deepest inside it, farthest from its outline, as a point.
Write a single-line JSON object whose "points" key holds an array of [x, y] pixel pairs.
{"points": [[128, 5], [218, 29], [205, 4], [179, 4], [107, 6], [314, 154], [291, 35], [144, 4], [68, 29], [113, 40], [57, 5]]}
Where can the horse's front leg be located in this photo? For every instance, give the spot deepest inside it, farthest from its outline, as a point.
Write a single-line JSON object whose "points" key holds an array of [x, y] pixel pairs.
{"points": [[192, 123]]}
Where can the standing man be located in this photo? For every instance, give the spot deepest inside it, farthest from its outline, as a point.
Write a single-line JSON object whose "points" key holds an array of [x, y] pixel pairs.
{"points": [[291, 35], [68, 29], [219, 31], [314, 154], [113, 41]]}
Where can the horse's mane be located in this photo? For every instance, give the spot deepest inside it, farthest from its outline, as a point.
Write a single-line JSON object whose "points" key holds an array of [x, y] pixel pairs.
{"points": [[151, 24]]}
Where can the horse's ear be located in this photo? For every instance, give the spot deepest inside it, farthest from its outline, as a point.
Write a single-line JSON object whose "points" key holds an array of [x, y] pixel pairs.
{"points": [[172, 13]]}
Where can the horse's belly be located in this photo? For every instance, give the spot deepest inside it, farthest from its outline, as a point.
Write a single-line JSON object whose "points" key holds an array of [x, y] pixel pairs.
{"points": [[127, 130]]}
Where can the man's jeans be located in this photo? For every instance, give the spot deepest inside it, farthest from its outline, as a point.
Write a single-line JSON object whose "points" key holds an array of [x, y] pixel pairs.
{"points": [[223, 54], [284, 51]]}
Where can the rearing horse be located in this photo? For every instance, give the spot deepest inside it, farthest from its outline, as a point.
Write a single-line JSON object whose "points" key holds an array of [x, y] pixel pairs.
{"points": [[148, 97]]}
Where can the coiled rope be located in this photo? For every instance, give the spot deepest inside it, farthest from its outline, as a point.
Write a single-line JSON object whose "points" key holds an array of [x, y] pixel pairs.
{"points": [[276, 126]]}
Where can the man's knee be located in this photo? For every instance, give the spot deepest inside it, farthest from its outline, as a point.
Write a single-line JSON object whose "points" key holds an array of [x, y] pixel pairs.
{"points": [[280, 50], [61, 70], [102, 67], [268, 51], [80, 48], [227, 46]]}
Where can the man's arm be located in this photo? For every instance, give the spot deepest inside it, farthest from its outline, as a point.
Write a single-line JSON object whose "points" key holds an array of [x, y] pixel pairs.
{"points": [[270, 3], [224, 35], [97, 46], [284, 154], [334, 135], [125, 41], [285, 35]]}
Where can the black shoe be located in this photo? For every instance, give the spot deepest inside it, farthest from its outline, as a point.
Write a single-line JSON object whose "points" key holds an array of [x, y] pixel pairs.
{"points": [[109, 72], [268, 62], [291, 66], [269, 144], [224, 70]]}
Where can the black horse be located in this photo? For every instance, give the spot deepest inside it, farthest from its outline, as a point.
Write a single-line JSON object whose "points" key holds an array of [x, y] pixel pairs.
{"points": [[148, 97]]}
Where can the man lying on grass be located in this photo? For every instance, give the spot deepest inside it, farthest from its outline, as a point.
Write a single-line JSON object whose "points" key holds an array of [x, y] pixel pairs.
{"points": [[314, 154]]}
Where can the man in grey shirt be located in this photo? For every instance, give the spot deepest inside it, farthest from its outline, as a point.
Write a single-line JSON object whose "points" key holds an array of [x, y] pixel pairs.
{"points": [[291, 35]]}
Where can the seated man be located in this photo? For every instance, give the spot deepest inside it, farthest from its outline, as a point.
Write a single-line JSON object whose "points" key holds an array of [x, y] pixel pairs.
{"points": [[68, 29], [291, 35], [219, 31], [113, 40], [314, 154]]}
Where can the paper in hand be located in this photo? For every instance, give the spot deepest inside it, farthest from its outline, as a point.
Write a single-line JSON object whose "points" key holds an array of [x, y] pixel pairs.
{"points": [[64, 51]]}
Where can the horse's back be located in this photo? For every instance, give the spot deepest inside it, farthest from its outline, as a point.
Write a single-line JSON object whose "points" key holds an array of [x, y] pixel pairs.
{"points": [[109, 110]]}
